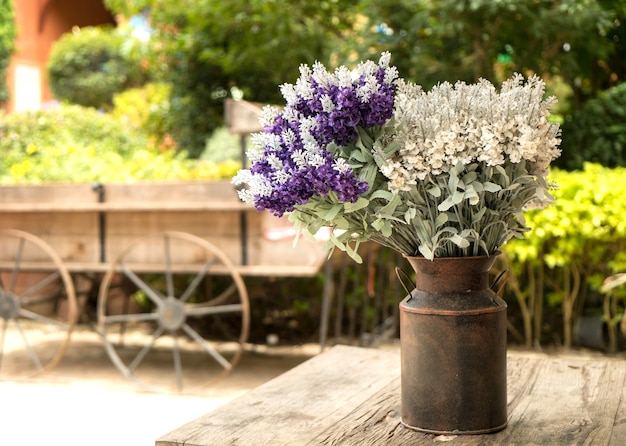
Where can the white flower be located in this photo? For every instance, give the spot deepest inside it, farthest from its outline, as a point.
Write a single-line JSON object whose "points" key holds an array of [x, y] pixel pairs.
{"points": [[343, 77], [327, 103], [289, 93], [468, 123], [321, 75], [365, 91], [299, 157], [384, 60], [341, 165], [257, 186], [302, 88], [315, 159], [289, 137], [291, 115], [268, 115], [274, 161], [281, 176]]}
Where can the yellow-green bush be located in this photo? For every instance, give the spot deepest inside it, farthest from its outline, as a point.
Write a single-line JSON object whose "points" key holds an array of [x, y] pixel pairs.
{"points": [[573, 246], [147, 109], [79, 144]]}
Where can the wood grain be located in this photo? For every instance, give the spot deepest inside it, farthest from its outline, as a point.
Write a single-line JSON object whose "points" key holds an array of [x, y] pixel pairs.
{"points": [[351, 396]]}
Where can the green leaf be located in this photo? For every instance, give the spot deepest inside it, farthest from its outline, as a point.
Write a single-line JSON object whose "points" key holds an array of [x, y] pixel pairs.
{"points": [[410, 214], [478, 215], [359, 204], [353, 254], [441, 220], [426, 252], [392, 148], [491, 187], [435, 191], [382, 226], [453, 181], [368, 173], [364, 140], [341, 222], [471, 196], [470, 177], [461, 242], [384, 194], [335, 240], [453, 200], [391, 206], [358, 155]]}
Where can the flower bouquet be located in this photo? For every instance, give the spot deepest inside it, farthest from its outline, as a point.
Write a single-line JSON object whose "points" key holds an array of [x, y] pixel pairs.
{"points": [[440, 173]]}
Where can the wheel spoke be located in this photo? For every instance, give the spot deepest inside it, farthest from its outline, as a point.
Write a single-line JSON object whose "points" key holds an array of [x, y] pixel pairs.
{"points": [[232, 289], [152, 294], [195, 282], [38, 299], [176, 301], [40, 318], [144, 351], [205, 311], [42, 283], [169, 279], [49, 283], [16, 267], [29, 348], [210, 350], [136, 317]]}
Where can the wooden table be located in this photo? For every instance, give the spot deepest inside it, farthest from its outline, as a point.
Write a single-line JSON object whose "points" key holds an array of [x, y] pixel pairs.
{"points": [[351, 396]]}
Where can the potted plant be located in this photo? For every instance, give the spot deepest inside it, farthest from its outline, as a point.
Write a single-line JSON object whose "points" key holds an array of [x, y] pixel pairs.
{"points": [[442, 176]]}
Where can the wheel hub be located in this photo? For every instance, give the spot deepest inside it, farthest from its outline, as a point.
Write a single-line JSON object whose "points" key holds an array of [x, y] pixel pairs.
{"points": [[8, 305], [172, 314]]}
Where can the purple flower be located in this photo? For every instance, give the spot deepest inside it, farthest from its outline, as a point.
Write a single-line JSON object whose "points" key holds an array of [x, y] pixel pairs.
{"points": [[322, 109]]}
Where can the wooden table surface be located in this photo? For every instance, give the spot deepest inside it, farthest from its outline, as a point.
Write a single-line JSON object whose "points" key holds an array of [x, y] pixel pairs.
{"points": [[351, 396]]}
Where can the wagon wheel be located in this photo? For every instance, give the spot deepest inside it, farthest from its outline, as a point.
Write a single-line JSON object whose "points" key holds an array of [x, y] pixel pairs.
{"points": [[38, 307], [172, 312]]}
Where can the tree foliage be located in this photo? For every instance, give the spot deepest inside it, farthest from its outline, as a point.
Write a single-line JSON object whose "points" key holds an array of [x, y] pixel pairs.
{"points": [[7, 44], [597, 132], [207, 48], [581, 42]]}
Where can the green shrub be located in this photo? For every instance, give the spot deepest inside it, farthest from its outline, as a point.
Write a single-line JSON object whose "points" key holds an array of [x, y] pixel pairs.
{"points": [[572, 247], [597, 132], [88, 66], [147, 108], [223, 146], [77, 144]]}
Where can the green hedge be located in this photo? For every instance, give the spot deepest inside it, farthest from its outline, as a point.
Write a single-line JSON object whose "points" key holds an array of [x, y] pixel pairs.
{"points": [[573, 246], [79, 144]]}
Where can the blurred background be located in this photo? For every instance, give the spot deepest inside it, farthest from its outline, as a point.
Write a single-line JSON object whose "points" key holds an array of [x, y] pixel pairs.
{"points": [[116, 91]]}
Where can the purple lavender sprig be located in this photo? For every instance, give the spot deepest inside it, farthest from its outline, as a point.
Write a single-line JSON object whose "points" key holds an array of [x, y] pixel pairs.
{"points": [[293, 162]]}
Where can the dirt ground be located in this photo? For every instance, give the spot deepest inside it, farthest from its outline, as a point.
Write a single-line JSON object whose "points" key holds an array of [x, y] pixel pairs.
{"points": [[86, 401]]}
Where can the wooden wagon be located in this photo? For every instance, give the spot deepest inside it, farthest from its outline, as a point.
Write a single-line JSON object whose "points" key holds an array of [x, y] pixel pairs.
{"points": [[180, 249]]}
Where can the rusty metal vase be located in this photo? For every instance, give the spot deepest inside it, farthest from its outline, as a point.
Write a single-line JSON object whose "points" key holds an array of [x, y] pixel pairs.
{"points": [[453, 348]]}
